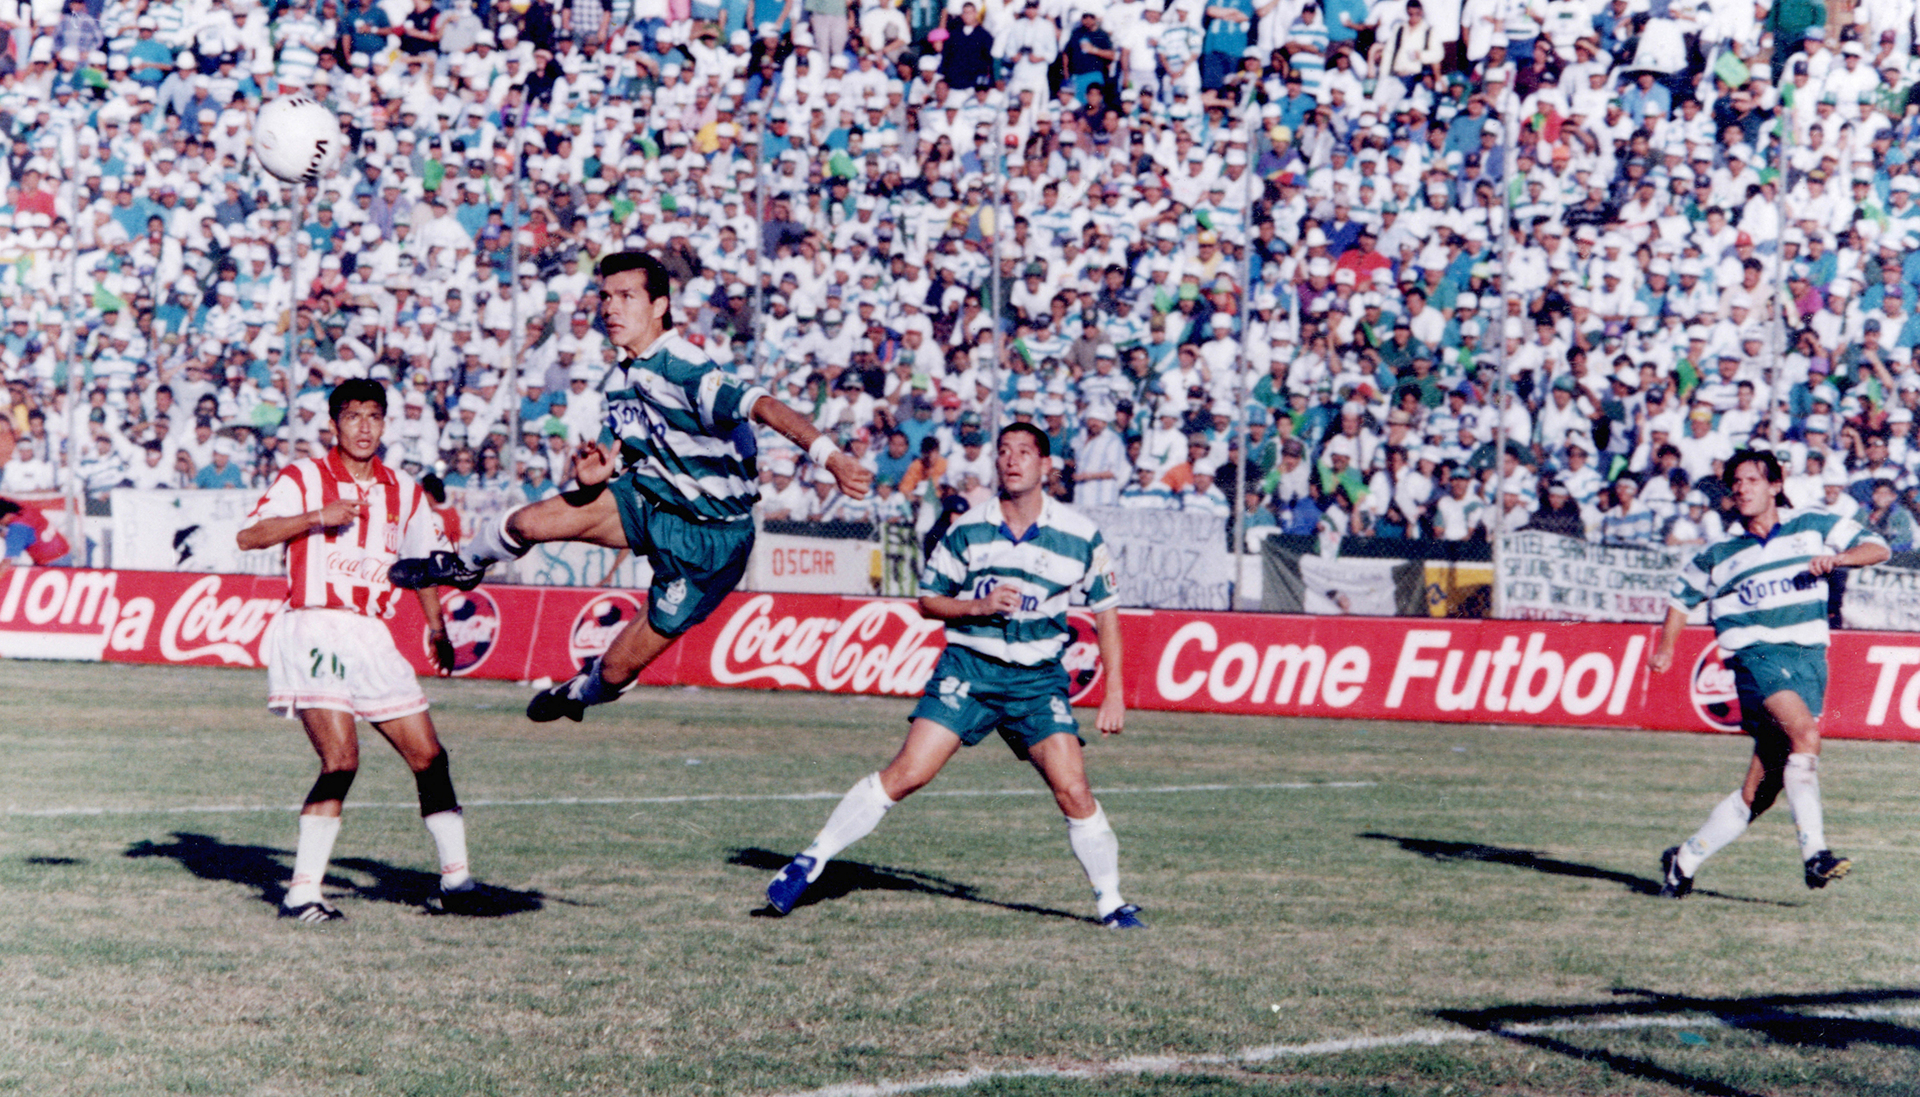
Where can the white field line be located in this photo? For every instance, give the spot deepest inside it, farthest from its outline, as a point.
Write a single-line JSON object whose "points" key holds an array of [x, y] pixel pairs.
{"points": [[1425, 1037], [573, 801]]}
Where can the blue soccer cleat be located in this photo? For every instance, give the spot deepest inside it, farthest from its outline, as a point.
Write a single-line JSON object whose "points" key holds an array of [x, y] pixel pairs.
{"points": [[1127, 917], [790, 883]]}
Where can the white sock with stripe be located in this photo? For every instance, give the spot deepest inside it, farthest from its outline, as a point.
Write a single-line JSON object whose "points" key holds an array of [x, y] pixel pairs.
{"points": [[449, 830], [1727, 821], [492, 543], [858, 812], [1802, 788], [317, 833], [1098, 849]]}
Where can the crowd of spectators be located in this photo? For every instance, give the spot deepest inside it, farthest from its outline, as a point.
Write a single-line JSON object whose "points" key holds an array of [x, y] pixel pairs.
{"points": [[1153, 227]]}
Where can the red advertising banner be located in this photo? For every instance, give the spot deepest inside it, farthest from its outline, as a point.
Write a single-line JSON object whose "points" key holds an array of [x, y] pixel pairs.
{"points": [[1520, 672]]}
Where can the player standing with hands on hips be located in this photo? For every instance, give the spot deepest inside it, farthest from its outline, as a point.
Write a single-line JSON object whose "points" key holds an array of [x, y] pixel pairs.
{"points": [[1765, 589], [682, 427], [345, 518], [1001, 579]]}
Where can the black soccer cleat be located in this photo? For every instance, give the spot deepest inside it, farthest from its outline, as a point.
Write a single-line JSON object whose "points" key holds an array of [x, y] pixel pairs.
{"points": [[1674, 884], [555, 701], [1825, 867], [312, 912], [436, 569], [1127, 917], [469, 900]]}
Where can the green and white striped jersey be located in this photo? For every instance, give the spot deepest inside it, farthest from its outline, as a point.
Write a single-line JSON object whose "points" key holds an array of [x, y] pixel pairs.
{"points": [[681, 423], [1759, 591], [1062, 554]]}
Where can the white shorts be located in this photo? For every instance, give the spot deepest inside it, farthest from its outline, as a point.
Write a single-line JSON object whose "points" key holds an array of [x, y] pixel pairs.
{"points": [[333, 659]]}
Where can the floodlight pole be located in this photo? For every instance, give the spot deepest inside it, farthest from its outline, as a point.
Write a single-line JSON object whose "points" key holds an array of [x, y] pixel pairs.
{"points": [[757, 351], [76, 496], [297, 209], [997, 166], [519, 337], [1781, 345]]}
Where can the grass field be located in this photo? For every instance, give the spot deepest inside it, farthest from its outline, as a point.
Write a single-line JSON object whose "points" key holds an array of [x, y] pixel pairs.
{"points": [[1336, 908]]}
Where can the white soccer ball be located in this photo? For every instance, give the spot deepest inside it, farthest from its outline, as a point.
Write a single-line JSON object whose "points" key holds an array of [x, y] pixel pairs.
{"points": [[297, 140]]}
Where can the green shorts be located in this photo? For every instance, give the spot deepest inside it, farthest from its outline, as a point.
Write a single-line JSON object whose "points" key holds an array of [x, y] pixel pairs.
{"points": [[1762, 670], [971, 695], [695, 564]]}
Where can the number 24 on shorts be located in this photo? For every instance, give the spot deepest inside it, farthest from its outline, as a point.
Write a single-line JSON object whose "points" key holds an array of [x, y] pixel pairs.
{"points": [[331, 662]]}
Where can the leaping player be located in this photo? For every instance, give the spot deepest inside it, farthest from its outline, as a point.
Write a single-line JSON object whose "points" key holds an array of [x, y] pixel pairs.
{"points": [[1765, 588], [684, 431], [345, 518]]}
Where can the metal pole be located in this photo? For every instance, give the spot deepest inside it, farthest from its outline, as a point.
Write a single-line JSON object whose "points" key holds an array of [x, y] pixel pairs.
{"points": [[757, 351], [1242, 389], [1776, 372], [519, 336], [1498, 602], [997, 160], [76, 499], [297, 209]]}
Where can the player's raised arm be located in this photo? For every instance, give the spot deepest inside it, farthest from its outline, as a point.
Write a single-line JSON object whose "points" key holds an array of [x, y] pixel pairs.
{"points": [[795, 428]]}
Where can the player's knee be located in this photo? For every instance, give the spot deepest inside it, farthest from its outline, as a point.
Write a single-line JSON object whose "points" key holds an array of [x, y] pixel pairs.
{"points": [[435, 785], [332, 784]]}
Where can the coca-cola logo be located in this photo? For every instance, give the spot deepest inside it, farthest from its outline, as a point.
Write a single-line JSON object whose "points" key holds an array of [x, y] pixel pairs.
{"points": [[1712, 690], [882, 647], [1082, 657], [597, 623], [473, 627], [229, 626]]}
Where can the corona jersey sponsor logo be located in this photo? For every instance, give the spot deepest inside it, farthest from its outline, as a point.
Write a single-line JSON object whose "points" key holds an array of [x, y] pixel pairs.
{"points": [[597, 623], [1711, 689], [1754, 591], [473, 627]]}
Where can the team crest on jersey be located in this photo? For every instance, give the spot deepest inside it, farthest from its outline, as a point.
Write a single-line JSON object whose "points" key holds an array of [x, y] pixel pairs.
{"points": [[1712, 691], [473, 627], [675, 594], [597, 623]]}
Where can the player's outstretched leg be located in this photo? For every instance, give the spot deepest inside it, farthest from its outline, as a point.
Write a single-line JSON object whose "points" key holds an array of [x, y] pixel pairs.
{"points": [[1727, 821], [492, 542], [1801, 783], [856, 816], [571, 697]]}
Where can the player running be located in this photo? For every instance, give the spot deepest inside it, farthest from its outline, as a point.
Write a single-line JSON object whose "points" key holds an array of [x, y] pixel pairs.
{"points": [[345, 518], [1001, 578], [684, 428], [1766, 592]]}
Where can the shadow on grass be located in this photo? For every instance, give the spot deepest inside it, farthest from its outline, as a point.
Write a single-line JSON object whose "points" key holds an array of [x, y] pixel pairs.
{"points": [[1435, 849], [51, 862], [1793, 1020], [264, 869], [843, 878]]}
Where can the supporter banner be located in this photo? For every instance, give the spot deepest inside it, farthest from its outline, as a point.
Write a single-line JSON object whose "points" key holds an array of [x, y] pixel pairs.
{"points": [[1167, 559], [1883, 597], [1295, 582], [186, 531], [1544, 576], [1520, 672], [813, 565], [1458, 590]]}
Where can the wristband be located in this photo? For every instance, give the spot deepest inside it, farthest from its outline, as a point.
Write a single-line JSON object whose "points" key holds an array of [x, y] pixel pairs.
{"points": [[823, 448]]}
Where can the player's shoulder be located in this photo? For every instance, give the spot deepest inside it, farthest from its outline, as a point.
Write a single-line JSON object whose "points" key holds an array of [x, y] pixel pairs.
{"points": [[304, 470], [677, 359]]}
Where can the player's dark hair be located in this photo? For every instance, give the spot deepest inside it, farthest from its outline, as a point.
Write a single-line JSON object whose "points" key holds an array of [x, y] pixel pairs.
{"points": [[1769, 466], [659, 284], [355, 389], [1039, 436]]}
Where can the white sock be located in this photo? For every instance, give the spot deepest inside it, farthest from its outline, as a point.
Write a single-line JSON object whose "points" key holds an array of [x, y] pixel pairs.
{"points": [[492, 543], [317, 833], [1802, 786], [1727, 821], [449, 830], [859, 811], [1098, 848]]}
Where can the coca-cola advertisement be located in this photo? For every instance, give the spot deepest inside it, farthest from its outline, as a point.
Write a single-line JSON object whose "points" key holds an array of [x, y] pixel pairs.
{"points": [[1519, 672]]}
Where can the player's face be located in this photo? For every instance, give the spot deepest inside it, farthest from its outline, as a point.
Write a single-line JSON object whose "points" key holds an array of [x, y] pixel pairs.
{"points": [[632, 317], [358, 429], [1019, 463], [1752, 493]]}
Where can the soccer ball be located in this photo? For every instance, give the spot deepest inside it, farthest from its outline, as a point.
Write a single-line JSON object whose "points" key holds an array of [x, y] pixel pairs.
{"points": [[297, 140]]}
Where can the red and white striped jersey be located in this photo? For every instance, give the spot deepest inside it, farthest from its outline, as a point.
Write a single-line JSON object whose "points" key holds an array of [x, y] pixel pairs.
{"points": [[346, 568]]}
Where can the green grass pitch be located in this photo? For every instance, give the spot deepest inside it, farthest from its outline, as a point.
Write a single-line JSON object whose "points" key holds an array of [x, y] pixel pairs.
{"points": [[1336, 908]]}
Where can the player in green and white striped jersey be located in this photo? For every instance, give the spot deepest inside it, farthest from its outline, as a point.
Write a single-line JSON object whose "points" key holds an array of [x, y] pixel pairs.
{"points": [[681, 427], [1765, 589], [1002, 579]]}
